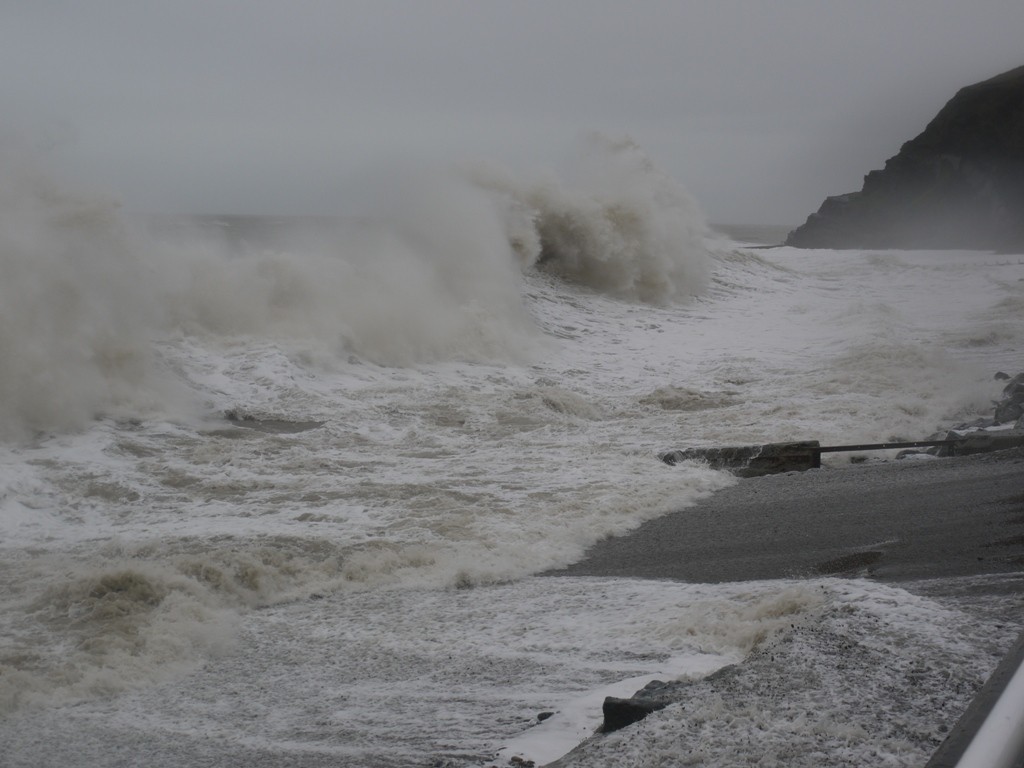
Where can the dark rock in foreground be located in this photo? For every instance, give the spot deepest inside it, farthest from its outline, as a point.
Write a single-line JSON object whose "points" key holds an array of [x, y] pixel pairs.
{"points": [[618, 713], [959, 184]]}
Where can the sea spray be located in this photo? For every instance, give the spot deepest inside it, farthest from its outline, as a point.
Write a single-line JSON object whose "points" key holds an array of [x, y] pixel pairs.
{"points": [[619, 226], [135, 550], [76, 303], [85, 293], [433, 274]]}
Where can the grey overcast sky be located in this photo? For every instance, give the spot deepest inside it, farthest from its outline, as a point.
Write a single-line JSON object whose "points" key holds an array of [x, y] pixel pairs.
{"points": [[759, 108]]}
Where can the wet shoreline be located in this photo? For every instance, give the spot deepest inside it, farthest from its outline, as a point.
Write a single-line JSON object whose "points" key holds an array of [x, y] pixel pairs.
{"points": [[950, 529], [893, 521]]}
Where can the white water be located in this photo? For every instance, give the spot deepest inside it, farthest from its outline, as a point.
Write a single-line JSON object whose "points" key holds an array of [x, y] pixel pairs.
{"points": [[494, 365]]}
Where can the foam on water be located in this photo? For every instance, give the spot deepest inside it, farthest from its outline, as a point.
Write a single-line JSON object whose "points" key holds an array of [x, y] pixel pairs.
{"points": [[74, 309], [826, 671], [435, 279], [623, 228], [465, 389], [430, 275], [842, 689]]}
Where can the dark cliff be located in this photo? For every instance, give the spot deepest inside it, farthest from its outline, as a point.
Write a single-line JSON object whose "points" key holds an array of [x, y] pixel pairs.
{"points": [[960, 184]]}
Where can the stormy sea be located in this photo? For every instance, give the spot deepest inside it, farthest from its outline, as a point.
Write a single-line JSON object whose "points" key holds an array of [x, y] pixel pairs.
{"points": [[280, 490]]}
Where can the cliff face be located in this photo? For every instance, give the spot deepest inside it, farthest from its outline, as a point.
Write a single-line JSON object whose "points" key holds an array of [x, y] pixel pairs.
{"points": [[960, 184]]}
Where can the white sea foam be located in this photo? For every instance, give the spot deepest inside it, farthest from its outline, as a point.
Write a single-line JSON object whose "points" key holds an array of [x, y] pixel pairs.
{"points": [[76, 308], [454, 393], [621, 226], [844, 670], [98, 632], [431, 275], [837, 688]]}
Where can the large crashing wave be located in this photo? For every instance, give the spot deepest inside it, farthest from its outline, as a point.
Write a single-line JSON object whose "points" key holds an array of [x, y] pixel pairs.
{"points": [[85, 292], [433, 274], [430, 276], [76, 309], [624, 228]]}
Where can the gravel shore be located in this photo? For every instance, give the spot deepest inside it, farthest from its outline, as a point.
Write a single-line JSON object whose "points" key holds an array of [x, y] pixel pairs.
{"points": [[950, 529], [894, 521]]}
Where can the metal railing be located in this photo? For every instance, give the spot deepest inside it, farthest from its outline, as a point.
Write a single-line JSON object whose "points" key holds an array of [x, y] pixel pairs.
{"points": [[990, 734]]}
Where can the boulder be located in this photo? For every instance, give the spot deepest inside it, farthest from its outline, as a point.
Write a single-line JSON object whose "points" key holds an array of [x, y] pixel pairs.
{"points": [[1014, 386], [1009, 410], [618, 713], [959, 184], [1011, 406]]}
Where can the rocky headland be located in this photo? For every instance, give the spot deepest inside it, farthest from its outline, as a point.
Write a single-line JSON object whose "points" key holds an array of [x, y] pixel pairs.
{"points": [[959, 184]]}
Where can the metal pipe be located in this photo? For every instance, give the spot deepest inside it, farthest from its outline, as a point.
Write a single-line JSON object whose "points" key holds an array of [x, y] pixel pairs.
{"points": [[884, 446]]}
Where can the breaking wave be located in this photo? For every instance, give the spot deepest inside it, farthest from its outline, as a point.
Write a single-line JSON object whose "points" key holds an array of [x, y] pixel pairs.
{"points": [[625, 228], [100, 632], [434, 274], [143, 613], [75, 304], [85, 293]]}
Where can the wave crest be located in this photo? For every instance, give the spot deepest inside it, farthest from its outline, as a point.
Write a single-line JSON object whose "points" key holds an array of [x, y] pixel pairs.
{"points": [[435, 274], [624, 228]]}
